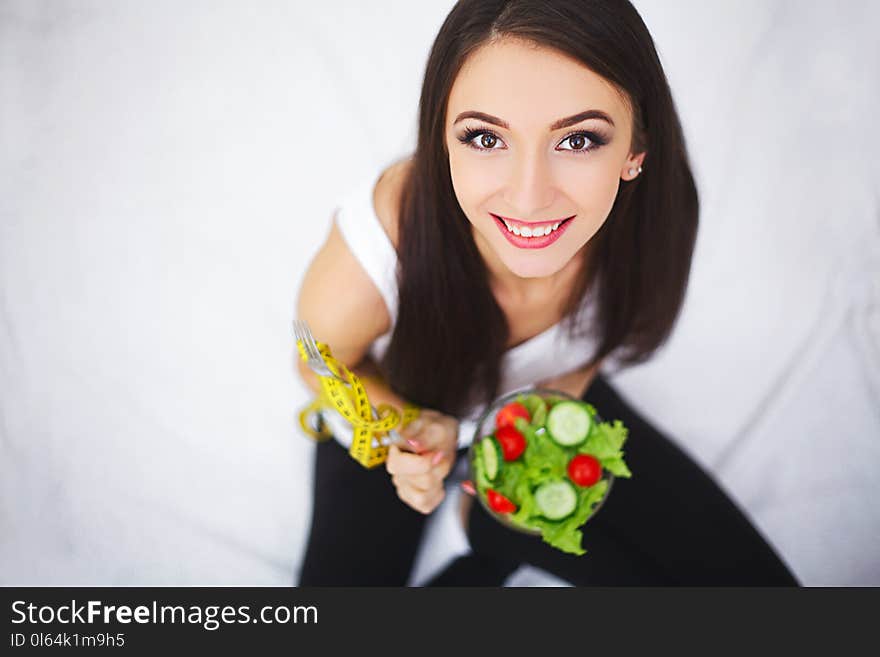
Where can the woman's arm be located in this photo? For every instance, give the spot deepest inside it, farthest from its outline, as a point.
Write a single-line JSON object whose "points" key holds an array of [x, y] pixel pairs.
{"points": [[345, 310], [342, 307], [377, 390]]}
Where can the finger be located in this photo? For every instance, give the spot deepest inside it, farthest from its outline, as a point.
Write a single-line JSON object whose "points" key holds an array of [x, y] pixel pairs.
{"points": [[406, 463], [412, 445], [434, 432], [441, 464], [422, 435], [422, 501], [415, 495], [410, 433], [468, 487], [433, 477], [425, 417], [435, 436], [423, 482], [416, 441], [413, 428]]}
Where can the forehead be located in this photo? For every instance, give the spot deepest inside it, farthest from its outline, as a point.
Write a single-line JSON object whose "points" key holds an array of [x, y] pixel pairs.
{"points": [[531, 86]]}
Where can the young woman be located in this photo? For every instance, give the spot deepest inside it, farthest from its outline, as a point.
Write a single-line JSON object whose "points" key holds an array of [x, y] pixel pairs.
{"points": [[541, 231]]}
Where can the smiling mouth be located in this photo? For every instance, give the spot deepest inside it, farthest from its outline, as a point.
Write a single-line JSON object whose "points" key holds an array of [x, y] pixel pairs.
{"points": [[531, 229]]}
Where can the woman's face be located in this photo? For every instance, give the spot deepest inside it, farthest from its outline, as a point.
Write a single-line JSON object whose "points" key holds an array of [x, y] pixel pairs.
{"points": [[532, 171]]}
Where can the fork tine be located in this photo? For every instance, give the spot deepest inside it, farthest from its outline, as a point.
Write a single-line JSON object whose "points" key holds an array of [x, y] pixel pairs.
{"points": [[311, 344], [297, 332], [300, 337], [313, 354], [308, 341], [311, 338]]}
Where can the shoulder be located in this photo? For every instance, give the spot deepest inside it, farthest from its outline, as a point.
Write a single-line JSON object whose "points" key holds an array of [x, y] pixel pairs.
{"points": [[340, 302], [386, 196]]}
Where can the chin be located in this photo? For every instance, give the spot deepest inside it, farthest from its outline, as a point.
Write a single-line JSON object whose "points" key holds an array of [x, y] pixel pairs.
{"points": [[536, 266]]}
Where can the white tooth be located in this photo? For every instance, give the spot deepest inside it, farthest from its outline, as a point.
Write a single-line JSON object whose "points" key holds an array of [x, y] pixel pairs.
{"points": [[516, 230], [526, 231], [556, 225], [548, 230], [506, 224]]}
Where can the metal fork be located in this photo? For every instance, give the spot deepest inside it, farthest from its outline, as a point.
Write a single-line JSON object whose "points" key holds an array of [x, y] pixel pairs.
{"points": [[317, 364], [315, 361]]}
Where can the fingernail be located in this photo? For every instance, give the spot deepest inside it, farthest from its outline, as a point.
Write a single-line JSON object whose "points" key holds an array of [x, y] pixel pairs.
{"points": [[415, 444], [436, 458], [468, 487]]}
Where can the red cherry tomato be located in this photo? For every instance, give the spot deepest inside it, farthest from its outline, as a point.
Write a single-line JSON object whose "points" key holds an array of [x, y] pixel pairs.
{"points": [[508, 414], [584, 470], [499, 503], [512, 442]]}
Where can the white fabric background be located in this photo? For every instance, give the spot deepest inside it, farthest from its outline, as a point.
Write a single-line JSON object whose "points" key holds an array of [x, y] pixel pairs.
{"points": [[168, 169]]}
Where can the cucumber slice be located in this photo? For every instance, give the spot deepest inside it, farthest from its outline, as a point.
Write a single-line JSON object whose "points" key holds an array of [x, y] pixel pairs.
{"points": [[569, 423], [490, 452], [556, 499]]}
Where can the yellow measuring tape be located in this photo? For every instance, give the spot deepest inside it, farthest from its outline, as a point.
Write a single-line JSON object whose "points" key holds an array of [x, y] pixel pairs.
{"points": [[349, 399]]}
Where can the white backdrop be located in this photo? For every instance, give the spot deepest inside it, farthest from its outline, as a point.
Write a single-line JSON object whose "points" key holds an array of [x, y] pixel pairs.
{"points": [[168, 169]]}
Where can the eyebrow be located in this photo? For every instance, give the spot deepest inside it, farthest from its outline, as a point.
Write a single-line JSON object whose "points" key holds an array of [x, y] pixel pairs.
{"points": [[557, 125]]}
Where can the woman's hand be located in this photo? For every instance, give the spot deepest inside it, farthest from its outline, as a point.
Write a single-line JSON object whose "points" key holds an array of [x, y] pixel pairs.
{"points": [[418, 475]]}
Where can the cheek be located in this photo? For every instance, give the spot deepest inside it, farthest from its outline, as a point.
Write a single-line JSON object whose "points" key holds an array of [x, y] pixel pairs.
{"points": [[470, 181], [595, 198]]}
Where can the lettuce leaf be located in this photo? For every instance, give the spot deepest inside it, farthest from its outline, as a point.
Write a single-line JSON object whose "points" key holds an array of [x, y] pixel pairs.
{"points": [[544, 459], [616, 466], [536, 406], [509, 484], [605, 442], [565, 534]]}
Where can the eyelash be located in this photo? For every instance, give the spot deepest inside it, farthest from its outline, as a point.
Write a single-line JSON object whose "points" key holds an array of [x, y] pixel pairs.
{"points": [[596, 140]]}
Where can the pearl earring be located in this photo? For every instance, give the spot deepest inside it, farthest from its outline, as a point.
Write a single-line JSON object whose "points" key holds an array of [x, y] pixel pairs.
{"points": [[632, 172]]}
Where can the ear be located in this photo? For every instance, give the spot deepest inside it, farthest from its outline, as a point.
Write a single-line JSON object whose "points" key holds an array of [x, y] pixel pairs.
{"points": [[632, 167]]}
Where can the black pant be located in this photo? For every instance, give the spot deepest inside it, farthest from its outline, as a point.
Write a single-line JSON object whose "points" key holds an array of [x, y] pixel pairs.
{"points": [[668, 525]]}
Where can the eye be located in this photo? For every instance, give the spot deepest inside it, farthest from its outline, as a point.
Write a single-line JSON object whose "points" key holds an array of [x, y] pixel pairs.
{"points": [[583, 141], [487, 141]]}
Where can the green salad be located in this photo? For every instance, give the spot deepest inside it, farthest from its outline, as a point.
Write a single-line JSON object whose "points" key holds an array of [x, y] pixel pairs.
{"points": [[546, 466]]}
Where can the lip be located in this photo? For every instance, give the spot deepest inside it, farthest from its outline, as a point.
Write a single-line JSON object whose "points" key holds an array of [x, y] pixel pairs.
{"points": [[532, 242]]}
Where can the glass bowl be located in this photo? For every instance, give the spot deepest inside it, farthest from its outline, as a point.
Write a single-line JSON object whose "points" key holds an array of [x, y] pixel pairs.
{"points": [[486, 426]]}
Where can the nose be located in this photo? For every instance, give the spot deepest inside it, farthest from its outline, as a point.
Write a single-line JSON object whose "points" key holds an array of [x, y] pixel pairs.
{"points": [[529, 189]]}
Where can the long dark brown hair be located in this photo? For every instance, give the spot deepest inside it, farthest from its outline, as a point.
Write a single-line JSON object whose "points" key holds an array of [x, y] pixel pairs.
{"points": [[446, 349]]}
